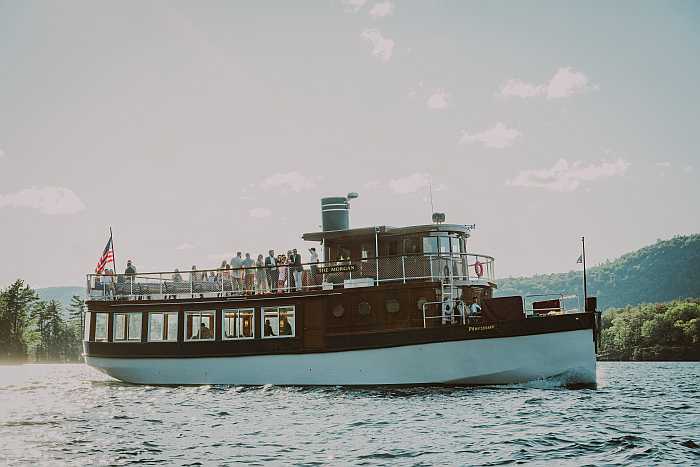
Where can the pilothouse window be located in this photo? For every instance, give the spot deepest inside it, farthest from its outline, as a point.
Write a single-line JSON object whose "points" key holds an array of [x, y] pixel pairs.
{"points": [[278, 321], [430, 245]]}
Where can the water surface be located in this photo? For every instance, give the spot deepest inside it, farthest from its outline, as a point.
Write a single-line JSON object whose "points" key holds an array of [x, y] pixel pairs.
{"points": [[641, 413]]}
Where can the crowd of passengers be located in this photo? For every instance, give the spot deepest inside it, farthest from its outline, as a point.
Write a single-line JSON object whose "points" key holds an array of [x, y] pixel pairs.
{"points": [[267, 274]]}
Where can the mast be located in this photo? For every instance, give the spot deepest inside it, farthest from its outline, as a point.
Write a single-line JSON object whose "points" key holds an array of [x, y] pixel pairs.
{"points": [[585, 287]]}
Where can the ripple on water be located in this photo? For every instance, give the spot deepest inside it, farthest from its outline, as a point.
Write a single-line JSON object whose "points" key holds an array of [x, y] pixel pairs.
{"points": [[68, 414]]}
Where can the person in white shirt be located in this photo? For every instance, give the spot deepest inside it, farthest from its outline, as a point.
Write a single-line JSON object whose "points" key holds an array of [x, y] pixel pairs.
{"points": [[475, 308], [236, 265]]}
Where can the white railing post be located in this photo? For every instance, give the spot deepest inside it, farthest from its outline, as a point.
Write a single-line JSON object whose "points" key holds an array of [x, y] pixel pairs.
{"points": [[160, 279], [403, 268], [430, 261]]}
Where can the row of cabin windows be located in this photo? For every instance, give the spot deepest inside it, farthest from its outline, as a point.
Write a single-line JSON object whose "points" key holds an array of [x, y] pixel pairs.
{"points": [[404, 246], [237, 323]]}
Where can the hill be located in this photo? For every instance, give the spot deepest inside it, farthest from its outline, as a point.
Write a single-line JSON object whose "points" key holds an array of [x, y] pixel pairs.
{"points": [[664, 271], [62, 295]]}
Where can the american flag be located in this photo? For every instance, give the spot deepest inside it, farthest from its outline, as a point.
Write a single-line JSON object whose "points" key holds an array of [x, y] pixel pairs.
{"points": [[106, 258]]}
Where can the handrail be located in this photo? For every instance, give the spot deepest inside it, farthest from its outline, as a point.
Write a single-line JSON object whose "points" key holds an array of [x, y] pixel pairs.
{"points": [[284, 277]]}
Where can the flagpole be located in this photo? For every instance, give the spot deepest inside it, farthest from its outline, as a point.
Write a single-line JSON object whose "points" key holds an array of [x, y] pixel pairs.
{"points": [[114, 258], [585, 288]]}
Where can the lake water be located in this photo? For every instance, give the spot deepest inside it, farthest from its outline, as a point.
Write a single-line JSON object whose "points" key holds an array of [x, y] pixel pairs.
{"points": [[641, 413]]}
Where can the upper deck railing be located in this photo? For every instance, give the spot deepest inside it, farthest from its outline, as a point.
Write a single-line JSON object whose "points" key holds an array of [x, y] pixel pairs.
{"points": [[366, 272]]}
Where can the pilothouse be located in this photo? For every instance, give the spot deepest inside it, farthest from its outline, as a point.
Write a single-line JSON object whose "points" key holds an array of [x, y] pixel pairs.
{"points": [[384, 306]]}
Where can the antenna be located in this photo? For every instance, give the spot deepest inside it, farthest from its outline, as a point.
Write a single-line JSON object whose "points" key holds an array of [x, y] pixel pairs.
{"points": [[430, 191]]}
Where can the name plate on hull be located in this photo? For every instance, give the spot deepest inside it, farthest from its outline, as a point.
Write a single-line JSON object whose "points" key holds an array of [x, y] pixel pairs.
{"points": [[337, 268]]}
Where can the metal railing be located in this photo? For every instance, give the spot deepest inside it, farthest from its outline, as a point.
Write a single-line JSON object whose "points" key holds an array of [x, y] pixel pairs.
{"points": [[567, 304], [466, 267]]}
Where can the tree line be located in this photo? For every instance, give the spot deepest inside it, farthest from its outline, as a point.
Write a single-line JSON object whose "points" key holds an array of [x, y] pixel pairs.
{"points": [[652, 331], [36, 330]]}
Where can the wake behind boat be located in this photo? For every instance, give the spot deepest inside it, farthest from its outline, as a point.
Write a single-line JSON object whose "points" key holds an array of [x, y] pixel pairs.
{"points": [[398, 306]]}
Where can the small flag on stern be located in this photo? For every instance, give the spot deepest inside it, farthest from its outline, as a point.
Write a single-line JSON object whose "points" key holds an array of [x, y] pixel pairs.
{"points": [[107, 256], [580, 259]]}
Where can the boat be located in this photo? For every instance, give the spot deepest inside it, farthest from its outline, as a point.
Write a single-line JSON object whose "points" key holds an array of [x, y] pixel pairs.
{"points": [[384, 306]]}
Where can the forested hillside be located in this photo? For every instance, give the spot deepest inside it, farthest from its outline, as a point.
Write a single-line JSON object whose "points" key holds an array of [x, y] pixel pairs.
{"points": [[664, 271]]}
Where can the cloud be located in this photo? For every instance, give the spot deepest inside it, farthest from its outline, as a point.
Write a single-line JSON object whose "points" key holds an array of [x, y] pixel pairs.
{"points": [[410, 183], [48, 200], [184, 246], [353, 6], [499, 137], [664, 164], [567, 177], [2, 153], [438, 100], [687, 169], [380, 10], [290, 181], [260, 213], [382, 47], [565, 83]]}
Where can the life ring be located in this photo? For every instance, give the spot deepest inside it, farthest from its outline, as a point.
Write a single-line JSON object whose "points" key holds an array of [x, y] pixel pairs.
{"points": [[478, 268]]}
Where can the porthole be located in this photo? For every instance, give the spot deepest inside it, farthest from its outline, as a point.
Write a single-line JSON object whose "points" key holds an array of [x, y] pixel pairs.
{"points": [[421, 301], [364, 309], [392, 305], [338, 311]]}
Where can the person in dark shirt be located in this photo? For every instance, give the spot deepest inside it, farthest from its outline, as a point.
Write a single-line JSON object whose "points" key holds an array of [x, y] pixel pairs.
{"points": [[130, 268], [204, 332], [268, 329], [285, 327]]}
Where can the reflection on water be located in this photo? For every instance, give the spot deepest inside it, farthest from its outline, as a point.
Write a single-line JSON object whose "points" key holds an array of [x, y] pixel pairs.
{"points": [[644, 413]]}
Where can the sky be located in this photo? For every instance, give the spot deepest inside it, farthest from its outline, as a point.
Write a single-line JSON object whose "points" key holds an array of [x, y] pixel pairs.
{"points": [[197, 129]]}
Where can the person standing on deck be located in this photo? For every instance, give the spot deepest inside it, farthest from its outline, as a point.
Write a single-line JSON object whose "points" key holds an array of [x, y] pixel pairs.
{"points": [[248, 265], [314, 266], [130, 271], [272, 271], [236, 265], [298, 269], [260, 275]]}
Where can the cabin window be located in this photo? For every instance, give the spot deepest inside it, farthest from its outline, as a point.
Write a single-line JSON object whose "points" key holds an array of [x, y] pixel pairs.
{"points": [[101, 326], [162, 327], [393, 247], [444, 243], [239, 323], [338, 311], [456, 245], [88, 320], [392, 305], [199, 325], [430, 245], [126, 327], [410, 245], [364, 308], [278, 321]]}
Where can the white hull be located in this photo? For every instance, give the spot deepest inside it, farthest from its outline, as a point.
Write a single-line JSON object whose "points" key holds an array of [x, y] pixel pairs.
{"points": [[483, 361]]}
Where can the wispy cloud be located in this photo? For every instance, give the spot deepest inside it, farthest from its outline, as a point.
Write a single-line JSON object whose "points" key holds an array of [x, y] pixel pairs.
{"points": [[184, 246], [382, 47], [664, 164], [48, 200], [438, 100], [289, 181], [687, 169], [382, 9], [2, 153], [410, 183], [499, 137], [566, 82], [564, 176], [353, 6], [260, 213]]}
